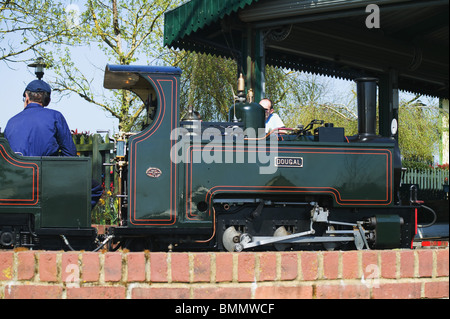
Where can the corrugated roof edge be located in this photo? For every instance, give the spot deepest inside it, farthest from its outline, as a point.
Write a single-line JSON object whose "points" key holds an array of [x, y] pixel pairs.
{"points": [[197, 14]]}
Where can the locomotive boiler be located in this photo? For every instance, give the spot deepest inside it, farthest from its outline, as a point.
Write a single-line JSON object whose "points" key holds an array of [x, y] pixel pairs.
{"points": [[195, 185]]}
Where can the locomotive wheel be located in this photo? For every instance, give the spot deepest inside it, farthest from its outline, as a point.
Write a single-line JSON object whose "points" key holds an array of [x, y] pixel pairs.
{"points": [[230, 238], [279, 232], [330, 246]]}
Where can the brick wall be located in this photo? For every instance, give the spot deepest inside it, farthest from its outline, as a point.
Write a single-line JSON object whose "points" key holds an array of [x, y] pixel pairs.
{"points": [[287, 275]]}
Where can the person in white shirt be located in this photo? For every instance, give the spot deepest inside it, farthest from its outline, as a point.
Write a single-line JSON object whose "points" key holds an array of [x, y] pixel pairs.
{"points": [[273, 121]]}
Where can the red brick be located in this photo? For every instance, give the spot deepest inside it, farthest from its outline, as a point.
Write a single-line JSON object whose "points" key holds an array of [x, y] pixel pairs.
{"points": [[113, 267], [202, 268], [136, 267], [222, 293], [407, 262], [224, 267], [331, 264], [90, 267], [267, 267], [389, 264], [6, 265], [246, 267], [425, 262], [442, 263], [397, 291], [369, 260], [96, 293], [33, 292], [309, 265], [327, 291], [370, 268], [350, 265], [289, 266], [25, 265], [47, 266], [160, 293], [70, 270], [437, 289], [158, 267], [180, 267], [278, 292]]}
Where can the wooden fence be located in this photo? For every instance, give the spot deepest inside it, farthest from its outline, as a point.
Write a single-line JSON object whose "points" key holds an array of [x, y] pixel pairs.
{"points": [[99, 150], [433, 179]]}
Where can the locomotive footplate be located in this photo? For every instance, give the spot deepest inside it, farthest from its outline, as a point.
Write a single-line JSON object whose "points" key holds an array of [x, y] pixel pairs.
{"points": [[158, 238], [123, 231], [67, 238], [76, 232]]}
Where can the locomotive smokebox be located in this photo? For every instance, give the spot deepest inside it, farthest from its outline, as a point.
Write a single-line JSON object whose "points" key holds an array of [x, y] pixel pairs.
{"points": [[367, 106]]}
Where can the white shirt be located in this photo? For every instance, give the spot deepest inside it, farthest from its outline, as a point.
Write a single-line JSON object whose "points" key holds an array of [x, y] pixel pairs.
{"points": [[273, 122]]}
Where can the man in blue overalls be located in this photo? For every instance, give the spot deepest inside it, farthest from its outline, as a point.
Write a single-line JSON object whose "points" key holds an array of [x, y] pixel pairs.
{"points": [[38, 131]]}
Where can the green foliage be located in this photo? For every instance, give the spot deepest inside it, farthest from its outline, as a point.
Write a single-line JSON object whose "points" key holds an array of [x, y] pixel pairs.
{"points": [[419, 131], [124, 31], [35, 23], [420, 166], [208, 84], [106, 210], [300, 98]]}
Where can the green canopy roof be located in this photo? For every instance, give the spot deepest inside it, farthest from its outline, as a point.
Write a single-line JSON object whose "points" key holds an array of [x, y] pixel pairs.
{"points": [[327, 37], [197, 14]]}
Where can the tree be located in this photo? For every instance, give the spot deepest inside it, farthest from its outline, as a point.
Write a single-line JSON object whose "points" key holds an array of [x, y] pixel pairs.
{"points": [[301, 97], [35, 22], [123, 31], [419, 129], [208, 84]]}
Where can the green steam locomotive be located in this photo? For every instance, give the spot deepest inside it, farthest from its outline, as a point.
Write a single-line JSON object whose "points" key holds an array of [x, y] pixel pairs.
{"points": [[195, 185]]}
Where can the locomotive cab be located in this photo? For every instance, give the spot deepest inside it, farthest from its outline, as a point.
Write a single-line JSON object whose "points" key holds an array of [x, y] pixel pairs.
{"points": [[131, 80]]}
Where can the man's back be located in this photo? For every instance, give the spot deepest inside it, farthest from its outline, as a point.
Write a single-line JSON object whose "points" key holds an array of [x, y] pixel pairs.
{"points": [[38, 131]]}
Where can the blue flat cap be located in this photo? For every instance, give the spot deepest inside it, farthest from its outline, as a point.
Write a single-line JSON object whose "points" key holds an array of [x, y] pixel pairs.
{"points": [[38, 86]]}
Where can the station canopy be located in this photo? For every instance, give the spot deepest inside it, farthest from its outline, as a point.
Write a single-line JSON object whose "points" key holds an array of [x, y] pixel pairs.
{"points": [[326, 37]]}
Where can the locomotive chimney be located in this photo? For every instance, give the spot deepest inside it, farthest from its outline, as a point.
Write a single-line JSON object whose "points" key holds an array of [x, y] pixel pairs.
{"points": [[367, 102]]}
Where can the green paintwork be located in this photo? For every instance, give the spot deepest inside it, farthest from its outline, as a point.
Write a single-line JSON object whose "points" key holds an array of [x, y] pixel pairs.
{"points": [[56, 190], [388, 232], [350, 174]]}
